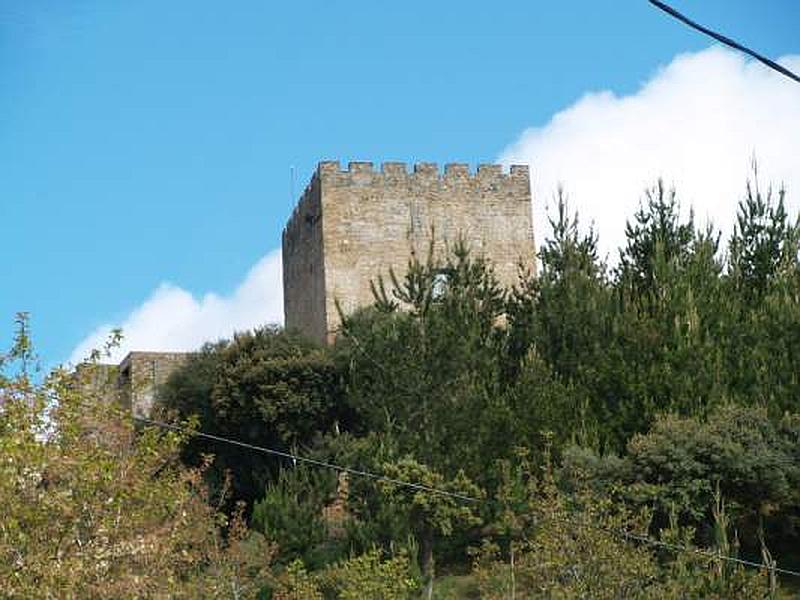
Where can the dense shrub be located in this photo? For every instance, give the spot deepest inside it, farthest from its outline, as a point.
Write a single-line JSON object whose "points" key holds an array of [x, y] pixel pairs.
{"points": [[266, 387]]}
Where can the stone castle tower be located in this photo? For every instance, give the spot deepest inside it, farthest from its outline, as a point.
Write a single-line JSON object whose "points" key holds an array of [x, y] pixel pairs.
{"points": [[352, 225]]}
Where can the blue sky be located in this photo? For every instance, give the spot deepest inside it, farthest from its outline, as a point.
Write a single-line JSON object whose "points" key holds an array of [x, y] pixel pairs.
{"points": [[150, 142]]}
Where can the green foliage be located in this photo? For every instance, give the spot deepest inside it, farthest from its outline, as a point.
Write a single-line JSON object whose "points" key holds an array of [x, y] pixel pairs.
{"points": [[763, 284], [679, 464], [430, 515], [596, 359], [577, 545], [410, 370], [92, 509], [95, 508], [656, 239], [560, 324], [369, 520], [551, 544], [659, 388], [291, 513], [369, 577], [267, 387], [764, 244], [438, 513], [442, 379], [677, 328], [294, 583], [562, 310]]}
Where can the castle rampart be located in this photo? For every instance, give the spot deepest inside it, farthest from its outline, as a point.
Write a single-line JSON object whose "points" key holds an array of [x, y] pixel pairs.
{"points": [[353, 224], [141, 374], [134, 383]]}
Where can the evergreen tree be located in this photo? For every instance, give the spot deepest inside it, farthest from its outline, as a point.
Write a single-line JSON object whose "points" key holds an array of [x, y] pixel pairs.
{"points": [[267, 387]]}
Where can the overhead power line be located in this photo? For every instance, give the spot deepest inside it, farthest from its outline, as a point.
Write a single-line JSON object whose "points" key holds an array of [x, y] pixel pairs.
{"points": [[639, 538], [725, 40], [707, 553], [311, 461]]}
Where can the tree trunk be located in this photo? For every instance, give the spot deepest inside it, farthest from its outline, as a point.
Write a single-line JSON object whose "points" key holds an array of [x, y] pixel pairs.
{"points": [[426, 558], [513, 578]]}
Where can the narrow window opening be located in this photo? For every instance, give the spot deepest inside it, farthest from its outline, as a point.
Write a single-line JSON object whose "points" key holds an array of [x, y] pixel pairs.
{"points": [[441, 281]]}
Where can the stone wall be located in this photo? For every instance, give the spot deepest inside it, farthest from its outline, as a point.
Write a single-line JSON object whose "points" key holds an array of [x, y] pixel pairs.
{"points": [[351, 225], [140, 376], [97, 382], [304, 267]]}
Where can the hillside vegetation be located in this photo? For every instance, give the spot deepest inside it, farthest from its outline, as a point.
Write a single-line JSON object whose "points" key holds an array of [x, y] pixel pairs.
{"points": [[594, 432]]}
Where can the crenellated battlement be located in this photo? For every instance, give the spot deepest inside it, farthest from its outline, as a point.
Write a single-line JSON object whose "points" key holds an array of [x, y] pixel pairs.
{"points": [[354, 223], [422, 169], [456, 178]]}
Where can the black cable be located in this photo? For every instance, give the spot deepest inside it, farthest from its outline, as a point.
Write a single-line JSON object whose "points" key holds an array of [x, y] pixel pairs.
{"points": [[725, 40], [311, 461], [425, 488], [707, 553]]}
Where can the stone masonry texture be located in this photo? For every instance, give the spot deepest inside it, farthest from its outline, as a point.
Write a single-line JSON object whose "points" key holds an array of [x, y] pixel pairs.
{"points": [[134, 383], [352, 225], [140, 376]]}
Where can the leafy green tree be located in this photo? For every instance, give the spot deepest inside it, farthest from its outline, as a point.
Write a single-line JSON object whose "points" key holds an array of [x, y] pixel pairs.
{"points": [[560, 326], [657, 347], [536, 403], [580, 544], [428, 514], [371, 576], [762, 339], [680, 463], [425, 374], [617, 344], [377, 513], [765, 243], [433, 368], [563, 311], [94, 509], [656, 232], [267, 387], [559, 547], [669, 316], [291, 514]]}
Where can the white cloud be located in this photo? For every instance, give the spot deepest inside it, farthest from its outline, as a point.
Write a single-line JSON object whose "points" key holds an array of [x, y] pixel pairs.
{"points": [[172, 319], [697, 124]]}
